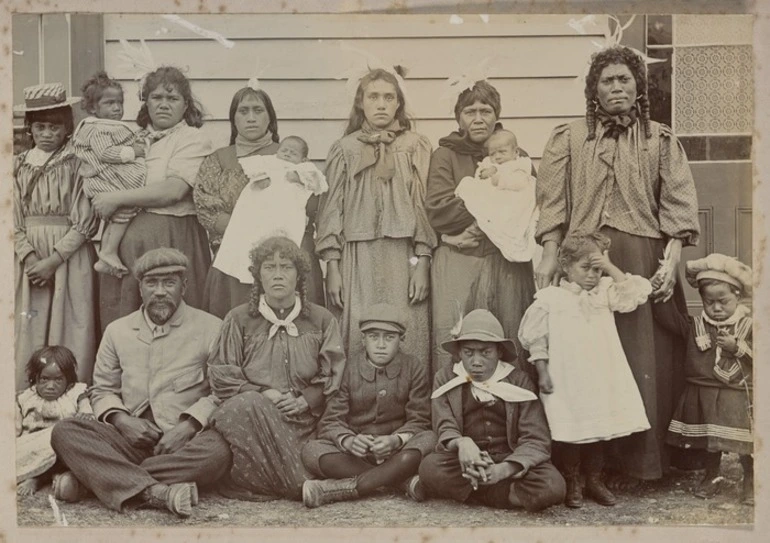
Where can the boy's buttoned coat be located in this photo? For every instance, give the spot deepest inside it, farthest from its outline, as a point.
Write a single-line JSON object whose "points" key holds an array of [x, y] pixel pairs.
{"points": [[528, 436]]}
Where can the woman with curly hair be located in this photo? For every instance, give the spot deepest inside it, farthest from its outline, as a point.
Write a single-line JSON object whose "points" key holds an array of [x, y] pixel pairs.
{"points": [[170, 119], [279, 358], [627, 176]]}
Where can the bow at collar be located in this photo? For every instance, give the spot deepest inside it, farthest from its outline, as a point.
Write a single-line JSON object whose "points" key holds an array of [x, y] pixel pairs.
{"points": [[288, 323], [377, 151], [615, 125]]}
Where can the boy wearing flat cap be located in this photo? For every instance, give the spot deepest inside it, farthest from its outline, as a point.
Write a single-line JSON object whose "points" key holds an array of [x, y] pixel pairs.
{"points": [[494, 445], [150, 443], [715, 411], [376, 428]]}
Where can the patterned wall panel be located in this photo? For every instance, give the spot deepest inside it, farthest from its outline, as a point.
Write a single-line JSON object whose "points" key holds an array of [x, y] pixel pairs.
{"points": [[713, 89], [713, 29]]}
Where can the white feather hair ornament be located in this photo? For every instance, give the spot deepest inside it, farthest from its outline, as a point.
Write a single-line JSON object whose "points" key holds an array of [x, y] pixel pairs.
{"points": [[612, 37], [254, 83], [457, 84], [458, 327], [365, 63], [139, 59]]}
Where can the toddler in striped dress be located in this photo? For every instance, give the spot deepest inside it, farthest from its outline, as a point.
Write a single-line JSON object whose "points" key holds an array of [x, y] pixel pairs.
{"points": [[112, 158]]}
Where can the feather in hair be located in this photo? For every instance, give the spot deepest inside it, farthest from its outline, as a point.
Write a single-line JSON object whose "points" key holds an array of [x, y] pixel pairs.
{"points": [[139, 59], [457, 328], [457, 84], [365, 64], [612, 38]]}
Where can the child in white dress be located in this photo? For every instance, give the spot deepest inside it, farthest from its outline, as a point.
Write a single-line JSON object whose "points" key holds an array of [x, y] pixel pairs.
{"points": [[112, 158], [54, 394], [501, 197], [273, 203], [586, 385]]}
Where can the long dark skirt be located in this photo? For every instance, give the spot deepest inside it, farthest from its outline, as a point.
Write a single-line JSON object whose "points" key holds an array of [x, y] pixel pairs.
{"points": [[655, 355], [461, 282], [266, 447], [119, 297]]}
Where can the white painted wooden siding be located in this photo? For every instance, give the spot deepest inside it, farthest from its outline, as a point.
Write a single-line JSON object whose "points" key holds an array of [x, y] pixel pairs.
{"points": [[535, 61]]}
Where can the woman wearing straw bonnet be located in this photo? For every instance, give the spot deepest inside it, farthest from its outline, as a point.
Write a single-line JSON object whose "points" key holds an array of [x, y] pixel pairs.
{"points": [[373, 232], [221, 180], [170, 118], [55, 295], [618, 172], [469, 271]]}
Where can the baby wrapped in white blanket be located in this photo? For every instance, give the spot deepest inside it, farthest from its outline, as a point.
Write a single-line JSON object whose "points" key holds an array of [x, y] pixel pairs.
{"points": [[501, 197], [272, 203]]}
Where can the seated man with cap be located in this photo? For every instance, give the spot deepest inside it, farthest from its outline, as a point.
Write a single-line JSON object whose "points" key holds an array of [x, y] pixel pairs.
{"points": [[493, 440], [150, 443], [376, 428]]}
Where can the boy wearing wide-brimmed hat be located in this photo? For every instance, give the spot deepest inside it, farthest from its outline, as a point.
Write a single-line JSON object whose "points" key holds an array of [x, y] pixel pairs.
{"points": [[493, 440], [376, 428], [715, 411]]}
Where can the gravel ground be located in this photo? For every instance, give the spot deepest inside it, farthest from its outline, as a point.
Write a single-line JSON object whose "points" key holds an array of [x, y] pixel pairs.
{"points": [[663, 503]]}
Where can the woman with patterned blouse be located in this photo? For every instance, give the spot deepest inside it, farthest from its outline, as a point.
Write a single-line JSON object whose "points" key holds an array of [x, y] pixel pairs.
{"points": [[618, 172]]}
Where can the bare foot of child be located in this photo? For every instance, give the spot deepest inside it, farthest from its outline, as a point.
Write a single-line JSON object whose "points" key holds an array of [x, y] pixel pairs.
{"points": [[27, 488], [109, 265]]}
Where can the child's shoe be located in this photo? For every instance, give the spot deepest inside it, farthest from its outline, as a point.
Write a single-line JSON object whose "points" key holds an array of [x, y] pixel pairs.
{"points": [[596, 489], [414, 489], [709, 486], [574, 497], [176, 498], [316, 493]]}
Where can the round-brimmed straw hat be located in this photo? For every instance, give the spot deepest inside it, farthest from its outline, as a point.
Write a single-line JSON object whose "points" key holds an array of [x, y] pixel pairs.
{"points": [[45, 96], [481, 325]]}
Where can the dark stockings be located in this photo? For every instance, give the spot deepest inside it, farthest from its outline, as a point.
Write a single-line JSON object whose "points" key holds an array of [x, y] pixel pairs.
{"points": [[589, 456], [395, 470]]}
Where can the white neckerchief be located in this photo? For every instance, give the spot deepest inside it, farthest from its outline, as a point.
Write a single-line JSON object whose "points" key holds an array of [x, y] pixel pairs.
{"points": [[740, 312], [288, 323], [486, 391]]}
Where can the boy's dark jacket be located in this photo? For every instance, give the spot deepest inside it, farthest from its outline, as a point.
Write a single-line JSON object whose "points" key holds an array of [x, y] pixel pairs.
{"points": [[528, 435], [396, 402]]}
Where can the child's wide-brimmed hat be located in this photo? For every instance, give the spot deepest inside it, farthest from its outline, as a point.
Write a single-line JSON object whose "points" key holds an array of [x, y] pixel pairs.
{"points": [[45, 96], [382, 317], [161, 261], [722, 268], [481, 325]]}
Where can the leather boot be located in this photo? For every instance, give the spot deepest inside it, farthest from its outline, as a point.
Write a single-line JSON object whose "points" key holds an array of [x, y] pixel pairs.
{"points": [[316, 493], [574, 497], [414, 489], [596, 489], [570, 469], [592, 458], [177, 498]]}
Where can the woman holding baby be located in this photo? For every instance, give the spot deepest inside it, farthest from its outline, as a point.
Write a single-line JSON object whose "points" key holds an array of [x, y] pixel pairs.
{"points": [[221, 179], [468, 270]]}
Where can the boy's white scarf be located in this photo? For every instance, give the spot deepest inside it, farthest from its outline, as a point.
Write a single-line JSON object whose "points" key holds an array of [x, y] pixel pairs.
{"points": [[288, 323], [486, 391]]}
